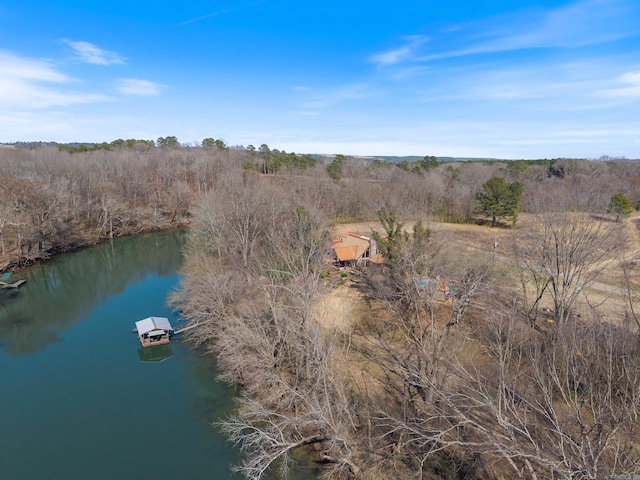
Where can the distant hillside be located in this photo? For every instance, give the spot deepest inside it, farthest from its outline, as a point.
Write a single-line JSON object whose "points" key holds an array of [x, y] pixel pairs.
{"points": [[408, 158], [30, 144], [440, 159]]}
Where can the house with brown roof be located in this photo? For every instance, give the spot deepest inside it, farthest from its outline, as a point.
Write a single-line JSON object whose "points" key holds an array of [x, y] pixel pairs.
{"points": [[354, 249]]}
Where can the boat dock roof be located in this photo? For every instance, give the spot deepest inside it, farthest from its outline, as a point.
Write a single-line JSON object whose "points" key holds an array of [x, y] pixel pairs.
{"points": [[153, 323]]}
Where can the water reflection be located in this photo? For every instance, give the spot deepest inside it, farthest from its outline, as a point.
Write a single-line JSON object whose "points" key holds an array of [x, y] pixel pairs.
{"points": [[156, 354], [59, 294], [84, 404]]}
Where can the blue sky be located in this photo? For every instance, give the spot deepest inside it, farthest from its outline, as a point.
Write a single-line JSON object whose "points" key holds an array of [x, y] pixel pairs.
{"points": [[496, 78]]}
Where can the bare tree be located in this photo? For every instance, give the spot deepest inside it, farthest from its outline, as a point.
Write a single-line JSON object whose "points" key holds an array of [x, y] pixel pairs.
{"points": [[294, 388], [301, 400], [631, 276], [408, 339], [561, 407], [560, 254], [234, 217]]}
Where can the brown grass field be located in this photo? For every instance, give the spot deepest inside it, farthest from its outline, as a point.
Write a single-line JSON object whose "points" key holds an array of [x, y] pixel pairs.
{"points": [[477, 241]]}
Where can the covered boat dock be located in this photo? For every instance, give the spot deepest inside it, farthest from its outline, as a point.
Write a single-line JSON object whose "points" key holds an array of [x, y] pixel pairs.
{"points": [[154, 331]]}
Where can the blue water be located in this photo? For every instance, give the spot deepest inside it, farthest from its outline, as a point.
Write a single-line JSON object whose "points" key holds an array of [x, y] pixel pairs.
{"points": [[78, 398]]}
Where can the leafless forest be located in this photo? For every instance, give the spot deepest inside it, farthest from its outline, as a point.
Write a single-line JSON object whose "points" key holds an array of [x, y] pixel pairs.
{"points": [[531, 369]]}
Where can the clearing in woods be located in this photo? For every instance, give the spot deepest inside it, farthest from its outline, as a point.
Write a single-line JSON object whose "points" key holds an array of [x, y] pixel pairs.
{"points": [[493, 244]]}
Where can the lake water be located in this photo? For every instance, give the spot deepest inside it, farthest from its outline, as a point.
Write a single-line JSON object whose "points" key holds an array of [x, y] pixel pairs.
{"points": [[80, 398]]}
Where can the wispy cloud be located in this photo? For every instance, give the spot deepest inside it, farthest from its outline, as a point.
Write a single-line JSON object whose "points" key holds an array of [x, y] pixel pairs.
{"points": [[578, 24], [402, 53], [18, 67], [142, 88], [631, 88], [35, 84], [541, 85], [219, 12], [332, 97], [555, 82], [89, 53], [582, 23], [204, 17]]}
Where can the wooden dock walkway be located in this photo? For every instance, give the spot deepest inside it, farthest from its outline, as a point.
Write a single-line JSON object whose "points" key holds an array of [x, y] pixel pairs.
{"points": [[188, 327], [14, 284]]}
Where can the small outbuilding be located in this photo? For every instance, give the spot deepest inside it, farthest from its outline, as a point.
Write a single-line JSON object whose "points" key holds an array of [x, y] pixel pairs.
{"points": [[154, 331]]}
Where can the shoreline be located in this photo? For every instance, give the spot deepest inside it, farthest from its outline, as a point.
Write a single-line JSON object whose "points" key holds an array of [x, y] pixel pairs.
{"points": [[12, 263]]}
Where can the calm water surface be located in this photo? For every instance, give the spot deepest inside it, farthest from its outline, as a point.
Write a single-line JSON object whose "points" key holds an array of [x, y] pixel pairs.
{"points": [[79, 398]]}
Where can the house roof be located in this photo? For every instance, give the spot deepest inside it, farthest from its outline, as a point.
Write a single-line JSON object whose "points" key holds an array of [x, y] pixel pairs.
{"points": [[351, 246], [377, 258], [153, 323], [346, 253]]}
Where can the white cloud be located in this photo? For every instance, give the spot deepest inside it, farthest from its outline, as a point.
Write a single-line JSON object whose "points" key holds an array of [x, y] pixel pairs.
{"points": [[27, 84], [204, 17], [142, 88], [221, 12], [403, 53], [631, 77], [392, 57], [88, 52], [577, 24], [631, 90], [14, 66]]}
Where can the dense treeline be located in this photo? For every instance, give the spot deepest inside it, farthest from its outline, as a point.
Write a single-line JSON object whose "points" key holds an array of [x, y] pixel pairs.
{"points": [[408, 385], [54, 199]]}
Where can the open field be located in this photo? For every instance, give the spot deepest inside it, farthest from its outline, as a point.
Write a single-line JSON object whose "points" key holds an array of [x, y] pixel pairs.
{"points": [[608, 290]]}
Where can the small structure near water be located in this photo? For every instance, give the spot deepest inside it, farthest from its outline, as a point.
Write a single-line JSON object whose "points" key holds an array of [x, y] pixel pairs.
{"points": [[443, 290], [154, 331], [5, 283]]}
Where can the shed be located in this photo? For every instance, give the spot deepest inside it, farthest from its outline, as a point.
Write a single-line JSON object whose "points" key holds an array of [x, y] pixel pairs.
{"points": [[154, 331]]}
